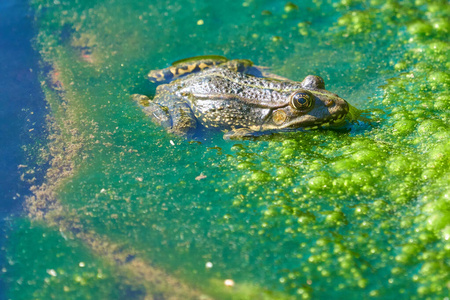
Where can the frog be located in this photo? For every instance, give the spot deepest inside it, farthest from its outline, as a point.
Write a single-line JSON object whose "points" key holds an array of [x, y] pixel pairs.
{"points": [[238, 98]]}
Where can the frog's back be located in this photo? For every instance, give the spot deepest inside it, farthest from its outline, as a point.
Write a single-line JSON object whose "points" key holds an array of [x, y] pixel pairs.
{"points": [[226, 99], [223, 83]]}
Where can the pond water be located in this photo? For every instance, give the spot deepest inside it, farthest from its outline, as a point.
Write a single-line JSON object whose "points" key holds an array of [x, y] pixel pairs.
{"points": [[22, 112], [114, 207]]}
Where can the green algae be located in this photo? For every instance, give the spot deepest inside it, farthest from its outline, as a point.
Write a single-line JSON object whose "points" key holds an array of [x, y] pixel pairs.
{"points": [[301, 215]]}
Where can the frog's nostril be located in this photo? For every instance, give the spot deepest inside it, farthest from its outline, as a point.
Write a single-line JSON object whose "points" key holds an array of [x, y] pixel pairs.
{"points": [[329, 102]]}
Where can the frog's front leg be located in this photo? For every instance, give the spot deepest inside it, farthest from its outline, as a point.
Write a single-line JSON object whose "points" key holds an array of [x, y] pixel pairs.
{"points": [[176, 118], [243, 134], [157, 113]]}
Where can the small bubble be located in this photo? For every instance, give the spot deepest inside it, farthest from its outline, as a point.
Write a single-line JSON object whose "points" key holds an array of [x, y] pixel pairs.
{"points": [[229, 282]]}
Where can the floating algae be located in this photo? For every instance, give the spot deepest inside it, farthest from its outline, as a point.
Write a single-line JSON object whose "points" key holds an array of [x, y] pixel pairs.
{"points": [[319, 214]]}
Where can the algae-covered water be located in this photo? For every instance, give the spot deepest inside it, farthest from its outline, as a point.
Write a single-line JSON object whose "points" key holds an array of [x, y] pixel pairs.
{"points": [[129, 211]]}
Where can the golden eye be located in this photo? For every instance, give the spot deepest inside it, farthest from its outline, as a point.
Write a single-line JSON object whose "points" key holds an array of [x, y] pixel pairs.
{"points": [[300, 101]]}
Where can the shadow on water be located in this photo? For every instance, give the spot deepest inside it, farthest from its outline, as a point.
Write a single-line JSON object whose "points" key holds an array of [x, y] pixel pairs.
{"points": [[22, 109]]}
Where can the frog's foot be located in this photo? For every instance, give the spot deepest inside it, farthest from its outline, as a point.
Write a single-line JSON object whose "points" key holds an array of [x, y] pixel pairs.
{"points": [[243, 134], [185, 67], [157, 113]]}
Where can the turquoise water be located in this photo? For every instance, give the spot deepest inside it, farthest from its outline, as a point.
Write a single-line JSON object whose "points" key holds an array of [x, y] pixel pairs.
{"points": [[124, 213], [23, 110], [22, 113]]}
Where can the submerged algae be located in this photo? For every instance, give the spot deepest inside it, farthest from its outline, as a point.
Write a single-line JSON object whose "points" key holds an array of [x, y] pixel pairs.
{"points": [[318, 214], [61, 266]]}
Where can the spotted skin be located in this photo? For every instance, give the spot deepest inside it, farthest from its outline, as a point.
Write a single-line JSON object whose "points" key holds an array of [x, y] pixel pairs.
{"points": [[238, 98]]}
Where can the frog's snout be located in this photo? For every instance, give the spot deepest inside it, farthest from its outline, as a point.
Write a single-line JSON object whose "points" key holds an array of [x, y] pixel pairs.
{"points": [[337, 108], [337, 105], [343, 106], [341, 112]]}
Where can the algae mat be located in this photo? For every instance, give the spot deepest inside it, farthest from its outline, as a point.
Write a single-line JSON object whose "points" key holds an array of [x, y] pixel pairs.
{"points": [[129, 211]]}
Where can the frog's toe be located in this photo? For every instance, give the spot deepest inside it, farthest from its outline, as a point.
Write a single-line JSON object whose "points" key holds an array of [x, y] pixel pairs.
{"points": [[141, 100]]}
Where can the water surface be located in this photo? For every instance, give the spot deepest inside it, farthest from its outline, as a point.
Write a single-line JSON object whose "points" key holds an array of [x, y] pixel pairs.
{"points": [[351, 214]]}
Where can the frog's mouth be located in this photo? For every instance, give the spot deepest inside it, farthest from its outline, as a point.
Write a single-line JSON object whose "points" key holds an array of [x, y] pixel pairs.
{"points": [[336, 118], [310, 122]]}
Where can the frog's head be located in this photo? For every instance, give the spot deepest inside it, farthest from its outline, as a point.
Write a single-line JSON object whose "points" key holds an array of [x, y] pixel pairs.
{"points": [[309, 107]]}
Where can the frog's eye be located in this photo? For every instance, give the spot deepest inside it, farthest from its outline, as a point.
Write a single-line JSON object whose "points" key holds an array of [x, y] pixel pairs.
{"points": [[300, 101]]}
